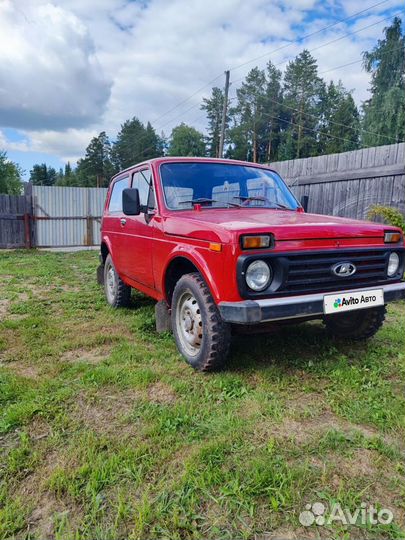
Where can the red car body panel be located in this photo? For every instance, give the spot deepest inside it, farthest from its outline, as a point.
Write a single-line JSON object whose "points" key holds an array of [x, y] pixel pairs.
{"points": [[142, 250]]}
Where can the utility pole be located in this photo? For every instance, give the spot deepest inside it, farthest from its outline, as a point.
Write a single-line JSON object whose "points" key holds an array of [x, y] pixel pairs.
{"points": [[224, 109]]}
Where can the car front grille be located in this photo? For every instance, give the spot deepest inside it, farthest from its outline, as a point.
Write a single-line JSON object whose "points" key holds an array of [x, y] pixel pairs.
{"points": [[311, 271]]}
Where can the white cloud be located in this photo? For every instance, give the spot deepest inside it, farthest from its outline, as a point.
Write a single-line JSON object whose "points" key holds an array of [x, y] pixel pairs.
{"points": [[68, 145], [156, 54], [50, 77]]}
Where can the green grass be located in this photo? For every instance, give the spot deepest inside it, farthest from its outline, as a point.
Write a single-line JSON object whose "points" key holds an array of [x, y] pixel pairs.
{"points": [[106, 433]]}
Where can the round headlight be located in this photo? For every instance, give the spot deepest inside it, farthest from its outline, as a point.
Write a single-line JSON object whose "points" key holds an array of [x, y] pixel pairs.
{"points": [[393, 264], [258, 275]]}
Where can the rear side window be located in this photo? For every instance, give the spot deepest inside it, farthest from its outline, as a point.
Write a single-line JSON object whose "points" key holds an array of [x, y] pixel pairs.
{"points": [[116, 195]]}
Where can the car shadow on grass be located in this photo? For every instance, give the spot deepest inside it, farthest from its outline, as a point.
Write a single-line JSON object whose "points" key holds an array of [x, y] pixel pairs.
{"points": [[297, 346]]}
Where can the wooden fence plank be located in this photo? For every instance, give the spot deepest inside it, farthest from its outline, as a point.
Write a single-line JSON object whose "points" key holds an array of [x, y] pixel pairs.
{"points": [[348, 184]]}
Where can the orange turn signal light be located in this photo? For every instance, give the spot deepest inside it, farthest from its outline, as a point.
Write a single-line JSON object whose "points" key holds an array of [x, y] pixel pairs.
{"points": [[392, 237], [214, 246], [256, 242]]}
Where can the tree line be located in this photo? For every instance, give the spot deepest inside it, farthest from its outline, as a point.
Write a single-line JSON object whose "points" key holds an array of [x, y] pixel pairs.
{"points": [[273, 116]]}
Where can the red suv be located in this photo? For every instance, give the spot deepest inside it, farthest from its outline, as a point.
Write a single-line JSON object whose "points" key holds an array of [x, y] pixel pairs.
{"points": [[220, 243]]}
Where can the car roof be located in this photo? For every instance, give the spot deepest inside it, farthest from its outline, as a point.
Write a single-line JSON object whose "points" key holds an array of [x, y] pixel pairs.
{"points": [[181, 159]]}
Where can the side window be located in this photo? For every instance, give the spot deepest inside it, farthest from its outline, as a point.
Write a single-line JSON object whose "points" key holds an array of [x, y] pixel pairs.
{"points": [[116, 195], [143, 181]]}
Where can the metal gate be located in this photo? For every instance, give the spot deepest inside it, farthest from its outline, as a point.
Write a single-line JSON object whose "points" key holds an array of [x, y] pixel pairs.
{"points": [[67, 216]]}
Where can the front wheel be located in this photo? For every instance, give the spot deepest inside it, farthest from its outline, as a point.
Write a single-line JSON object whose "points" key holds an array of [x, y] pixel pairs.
{"points": [[201, 335], [356, 325]]}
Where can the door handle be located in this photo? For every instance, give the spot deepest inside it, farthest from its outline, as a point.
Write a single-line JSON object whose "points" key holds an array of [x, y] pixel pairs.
{"points": [[123, 221]]}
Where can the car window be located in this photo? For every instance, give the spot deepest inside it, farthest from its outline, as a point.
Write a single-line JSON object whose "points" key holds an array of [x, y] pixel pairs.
{"points": [[222, 185], [176, 196], [116, 195]]}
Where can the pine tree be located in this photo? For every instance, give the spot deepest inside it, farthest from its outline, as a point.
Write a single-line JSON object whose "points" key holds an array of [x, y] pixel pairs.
{"points": [[273, 112], [214, 107], [384, 112], [302, 90], [339, 126], [135, 143], [152, 143], [96, 168], [249, 121], [42, 175]]}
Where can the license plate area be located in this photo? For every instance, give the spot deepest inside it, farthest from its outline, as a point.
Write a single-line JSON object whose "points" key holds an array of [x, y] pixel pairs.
{"points": [[352, 300]]}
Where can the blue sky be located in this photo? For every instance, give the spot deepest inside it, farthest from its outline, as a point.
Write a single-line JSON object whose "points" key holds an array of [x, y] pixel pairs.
{"points": [[73, 68]]}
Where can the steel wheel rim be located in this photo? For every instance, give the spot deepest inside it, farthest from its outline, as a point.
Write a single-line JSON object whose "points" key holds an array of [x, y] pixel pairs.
{"points": [[189, 323], [111, 283]]}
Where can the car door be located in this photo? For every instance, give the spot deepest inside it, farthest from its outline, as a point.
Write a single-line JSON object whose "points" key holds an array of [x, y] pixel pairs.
{"points": [[139, 231], [113, 221]]}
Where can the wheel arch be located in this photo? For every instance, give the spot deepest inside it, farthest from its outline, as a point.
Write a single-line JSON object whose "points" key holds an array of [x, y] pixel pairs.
{"points": [[177, 267], [104, 251]]}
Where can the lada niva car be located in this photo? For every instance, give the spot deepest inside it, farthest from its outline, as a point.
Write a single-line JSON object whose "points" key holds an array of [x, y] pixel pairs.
{"points": [[219, 243]]}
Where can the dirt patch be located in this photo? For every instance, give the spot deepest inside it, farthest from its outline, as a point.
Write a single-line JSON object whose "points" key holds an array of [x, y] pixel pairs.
{"points": [[39, 429], [4, 305], [305, 405], [21, 369], [161, 393], [303, 430], [9, 440], [41, 520], [363, 462], [47, 512], [107, 413], [92, 356], [285, 533], [68, 288]]}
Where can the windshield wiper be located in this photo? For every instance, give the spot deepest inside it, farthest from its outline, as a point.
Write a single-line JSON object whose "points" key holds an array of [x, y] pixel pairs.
{"points": [[264, 199], [203, 200]]}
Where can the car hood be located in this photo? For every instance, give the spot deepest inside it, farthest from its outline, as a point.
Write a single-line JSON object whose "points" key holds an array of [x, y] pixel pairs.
{"points": [[227, 224]]}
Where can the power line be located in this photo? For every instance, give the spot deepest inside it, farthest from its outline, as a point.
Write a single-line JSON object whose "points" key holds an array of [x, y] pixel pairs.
{"points": [[280, 63], [188, 98], [357, 61], [336, 39], [310, 129], [308, 35], [252, 60], [332, 121]]}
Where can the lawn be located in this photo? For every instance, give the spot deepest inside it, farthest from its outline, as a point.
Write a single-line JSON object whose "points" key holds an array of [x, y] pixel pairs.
{"points": [[106, 433]]}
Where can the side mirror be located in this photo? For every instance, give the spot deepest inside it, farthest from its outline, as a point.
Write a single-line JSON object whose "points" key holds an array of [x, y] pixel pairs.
{"points": [[304, 202], [130, 202]]}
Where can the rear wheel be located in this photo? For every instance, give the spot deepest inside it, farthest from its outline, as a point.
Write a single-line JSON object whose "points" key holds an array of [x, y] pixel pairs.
{"points": [[356, 325], [117, 293], [201, 335]]}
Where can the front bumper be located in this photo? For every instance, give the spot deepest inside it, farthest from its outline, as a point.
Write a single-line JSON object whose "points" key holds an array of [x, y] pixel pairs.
{"points": [[291, 307]]}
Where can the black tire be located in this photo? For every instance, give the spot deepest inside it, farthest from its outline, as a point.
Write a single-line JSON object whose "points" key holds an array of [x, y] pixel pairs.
{"points": [[356, 325], [117, 293], [205, 351]]}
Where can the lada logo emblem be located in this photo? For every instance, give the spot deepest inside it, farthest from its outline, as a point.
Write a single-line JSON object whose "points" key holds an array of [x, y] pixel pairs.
{"points": [[344, 269]]}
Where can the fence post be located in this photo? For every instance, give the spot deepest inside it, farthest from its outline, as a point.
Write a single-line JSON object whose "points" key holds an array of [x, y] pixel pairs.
{"points": [[89, 230], [29, 217], [27, 230]]}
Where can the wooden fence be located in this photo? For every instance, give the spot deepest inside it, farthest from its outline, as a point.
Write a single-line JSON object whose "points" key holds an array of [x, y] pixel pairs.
{"points": [[348, 184], [15, 221], [344, 184]]}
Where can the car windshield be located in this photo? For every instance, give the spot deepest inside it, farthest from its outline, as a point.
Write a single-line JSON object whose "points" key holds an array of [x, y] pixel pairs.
{"points": [[222, 185]]}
